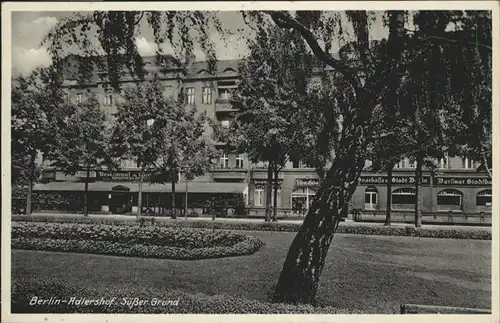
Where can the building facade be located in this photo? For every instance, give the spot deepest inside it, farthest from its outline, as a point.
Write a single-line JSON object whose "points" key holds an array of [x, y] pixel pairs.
{"points": [[457, 188]]}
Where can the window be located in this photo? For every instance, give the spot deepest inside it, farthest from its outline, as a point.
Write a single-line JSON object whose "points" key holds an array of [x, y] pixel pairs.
{"points": [[278, 197], [400, 164], [403, 199], [468, 163], [444, 162], [168, 92], [225, 123], [483, 198], [128, 163], [368, 163], [79, 97], [206, 95], [302, 198], [449, 199], [239, 161], [68, 97], [259, 196], [371, 198], [299, 164], [245, 196], [224, 161], [108, 98], [190, 95], [107, 113], [224, 94], [411, 164]]}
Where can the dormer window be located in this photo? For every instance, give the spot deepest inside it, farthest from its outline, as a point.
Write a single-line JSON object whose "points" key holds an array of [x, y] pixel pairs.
{"points": [[468, 163], [444, 162], [108, 98]]}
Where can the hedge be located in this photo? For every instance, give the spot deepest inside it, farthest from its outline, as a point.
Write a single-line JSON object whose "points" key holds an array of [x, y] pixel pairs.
{"points": [[431, 232], [132, 241], [147, 235], [154, 301]]}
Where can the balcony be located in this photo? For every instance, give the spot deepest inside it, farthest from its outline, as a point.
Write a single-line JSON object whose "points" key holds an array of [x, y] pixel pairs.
{"points": [[223, 105], [229, 173]]}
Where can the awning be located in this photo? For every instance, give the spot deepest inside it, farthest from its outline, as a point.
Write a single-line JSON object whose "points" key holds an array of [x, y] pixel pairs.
{"points": [[180, 187]]}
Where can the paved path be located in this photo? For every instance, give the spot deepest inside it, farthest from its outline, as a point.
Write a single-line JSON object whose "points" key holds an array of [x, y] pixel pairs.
{"points": [[246, 220]]}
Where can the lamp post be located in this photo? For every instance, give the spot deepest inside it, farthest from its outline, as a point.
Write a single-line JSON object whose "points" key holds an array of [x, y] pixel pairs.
{"points": [[185, 169], [186, 200], [214, 161]]}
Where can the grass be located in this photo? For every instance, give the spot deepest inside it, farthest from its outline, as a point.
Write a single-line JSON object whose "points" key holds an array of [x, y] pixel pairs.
{"points": [[373, 274]]}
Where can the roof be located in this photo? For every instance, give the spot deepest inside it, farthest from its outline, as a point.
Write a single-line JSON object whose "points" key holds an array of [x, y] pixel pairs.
{"points": [[223, 66], [180, 187], [196, 69]]}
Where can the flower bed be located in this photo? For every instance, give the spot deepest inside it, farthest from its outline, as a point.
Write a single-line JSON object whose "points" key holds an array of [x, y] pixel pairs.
{"points": [[153, 301], [132, 240], [376, 229]]}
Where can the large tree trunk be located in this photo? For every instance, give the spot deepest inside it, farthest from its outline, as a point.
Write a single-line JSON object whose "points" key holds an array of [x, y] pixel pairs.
{"points": [[418, 192], [304, 263], [269, 206], [486, 164], [29, 197], [275, 197], [174, 180], [139, 197], [388, 208], [31, 180], [298, 281], [86, 193]]}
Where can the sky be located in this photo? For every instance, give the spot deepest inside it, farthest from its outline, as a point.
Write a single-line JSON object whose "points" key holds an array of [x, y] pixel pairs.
{"points": [[29, 28]]}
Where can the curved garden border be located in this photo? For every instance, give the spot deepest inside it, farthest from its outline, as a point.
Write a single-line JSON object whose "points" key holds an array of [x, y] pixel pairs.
{"points": [[146, 242]]}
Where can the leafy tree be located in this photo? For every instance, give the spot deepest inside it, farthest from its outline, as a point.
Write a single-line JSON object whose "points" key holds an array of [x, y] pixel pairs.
{"points": [[34, 113], [321, 112], [468, 120], [431, 98], [391, 133], [132, 136], [83, 143], [366, 84], [181, 143], [269, 99]]}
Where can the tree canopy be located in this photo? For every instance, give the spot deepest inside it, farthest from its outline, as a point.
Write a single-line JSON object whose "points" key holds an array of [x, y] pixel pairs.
{"points": [[367, 83]]}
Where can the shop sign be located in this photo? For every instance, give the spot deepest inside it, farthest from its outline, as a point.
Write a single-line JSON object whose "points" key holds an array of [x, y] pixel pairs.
{"points": [[374, 180], [462, 181], [126, 176], [307, 182], [262, 182]]}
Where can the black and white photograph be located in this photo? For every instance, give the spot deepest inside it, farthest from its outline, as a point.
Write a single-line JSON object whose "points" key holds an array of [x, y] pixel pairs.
{"points": [[250, 158]]}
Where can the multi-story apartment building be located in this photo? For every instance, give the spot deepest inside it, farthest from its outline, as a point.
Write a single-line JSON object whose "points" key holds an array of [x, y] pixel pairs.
{"points": [[459, 187]]}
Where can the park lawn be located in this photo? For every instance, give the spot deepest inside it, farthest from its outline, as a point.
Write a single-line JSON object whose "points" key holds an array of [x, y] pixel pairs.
{"points": [[374, 274]]}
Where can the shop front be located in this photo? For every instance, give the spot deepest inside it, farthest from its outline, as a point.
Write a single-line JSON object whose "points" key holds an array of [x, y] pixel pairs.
{"points": [[441, 194], [303, 194], [120, 200], [117, 193]]}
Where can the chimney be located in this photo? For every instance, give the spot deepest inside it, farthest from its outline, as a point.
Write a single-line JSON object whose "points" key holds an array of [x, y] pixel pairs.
{"points": [[190, 58]]}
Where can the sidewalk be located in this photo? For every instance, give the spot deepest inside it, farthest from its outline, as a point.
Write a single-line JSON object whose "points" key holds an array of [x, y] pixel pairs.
{"points": [[347, 222]]}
